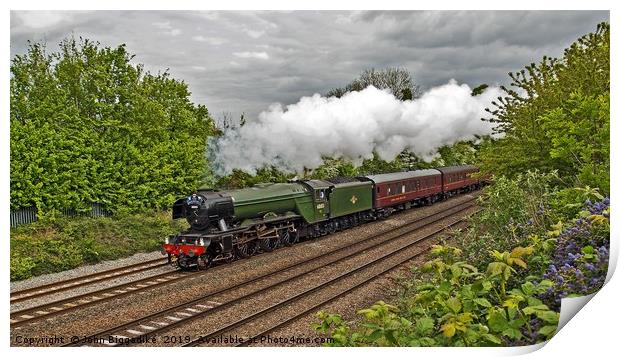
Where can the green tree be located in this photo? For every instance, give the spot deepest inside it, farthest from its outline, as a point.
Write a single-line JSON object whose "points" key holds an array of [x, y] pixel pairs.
{"points": [[88, 125], [556, 116], [460, 153]]}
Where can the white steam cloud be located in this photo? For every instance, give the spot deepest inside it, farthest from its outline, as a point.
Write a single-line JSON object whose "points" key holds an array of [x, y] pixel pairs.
{"points": [[352, 127]]}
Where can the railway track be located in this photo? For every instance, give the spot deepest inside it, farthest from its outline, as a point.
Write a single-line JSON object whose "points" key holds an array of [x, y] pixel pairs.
{"points": [[212, 302], [316, 305], [308, 293], [98, 277]]}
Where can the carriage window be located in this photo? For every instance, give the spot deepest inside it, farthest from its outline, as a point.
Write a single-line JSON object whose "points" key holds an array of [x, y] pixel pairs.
{"points": [[403, 189], [389, 190], [322, 194]]}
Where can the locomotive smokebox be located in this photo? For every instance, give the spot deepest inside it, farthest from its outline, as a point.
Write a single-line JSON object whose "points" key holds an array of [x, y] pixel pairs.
{"points": [[204, 209]]}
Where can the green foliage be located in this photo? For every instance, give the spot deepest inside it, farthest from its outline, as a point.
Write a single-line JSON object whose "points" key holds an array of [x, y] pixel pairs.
{"points": [[568, 202], [457, 306], [479, 89], [512, 210], [65, 243], [240, 179], [557, 117], [460, 153], [579, 133], [502, 284], [330, 168], [89, 126]]}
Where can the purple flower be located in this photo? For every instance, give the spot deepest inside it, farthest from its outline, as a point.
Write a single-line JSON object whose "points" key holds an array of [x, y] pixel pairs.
{"points": [[569, 271]]}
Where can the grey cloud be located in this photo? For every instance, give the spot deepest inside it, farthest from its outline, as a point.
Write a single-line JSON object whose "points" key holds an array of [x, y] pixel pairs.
{"points": [[244, 61]]}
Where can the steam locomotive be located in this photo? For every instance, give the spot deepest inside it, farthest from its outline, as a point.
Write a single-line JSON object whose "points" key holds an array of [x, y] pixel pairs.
{"points": [[235, 224]]}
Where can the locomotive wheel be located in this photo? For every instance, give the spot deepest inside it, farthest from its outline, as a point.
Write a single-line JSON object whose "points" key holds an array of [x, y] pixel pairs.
{"points": [[229, 259], [331, 227], [269, 244], [245, 250], [288, 238]]}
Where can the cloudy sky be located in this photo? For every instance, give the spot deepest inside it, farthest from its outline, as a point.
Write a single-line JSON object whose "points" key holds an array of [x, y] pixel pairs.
{"points": [[244, 61]]}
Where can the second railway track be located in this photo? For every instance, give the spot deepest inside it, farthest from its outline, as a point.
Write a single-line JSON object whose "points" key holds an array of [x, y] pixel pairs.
{"points": [[45, 311]]}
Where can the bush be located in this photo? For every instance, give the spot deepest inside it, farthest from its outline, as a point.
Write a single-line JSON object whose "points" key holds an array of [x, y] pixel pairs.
{"points": [[50, 246], [457, 306], [514, 299], [512, 209]]}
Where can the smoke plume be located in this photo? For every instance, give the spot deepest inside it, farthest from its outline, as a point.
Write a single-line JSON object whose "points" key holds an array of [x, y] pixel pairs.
{"points": [[352, 127]]}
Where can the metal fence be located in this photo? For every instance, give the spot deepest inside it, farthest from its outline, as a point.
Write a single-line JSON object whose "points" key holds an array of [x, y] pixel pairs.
{"points": [[29, 214]]}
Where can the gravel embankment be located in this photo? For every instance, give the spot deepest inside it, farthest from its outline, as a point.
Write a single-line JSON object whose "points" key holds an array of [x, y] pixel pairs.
{"points": [[123, 309]]}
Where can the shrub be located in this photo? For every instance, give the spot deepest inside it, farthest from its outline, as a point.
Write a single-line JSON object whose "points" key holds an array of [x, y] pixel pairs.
{"points": [[457, 306], [50, 246], [513, 209]]}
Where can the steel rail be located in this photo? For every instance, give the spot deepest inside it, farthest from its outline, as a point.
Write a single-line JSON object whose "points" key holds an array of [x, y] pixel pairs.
{"points": [[62, 306], [63, 285]]}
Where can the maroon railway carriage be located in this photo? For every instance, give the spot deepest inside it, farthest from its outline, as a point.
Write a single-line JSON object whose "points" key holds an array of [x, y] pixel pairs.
{"points": [[458, 179], [399, 190]]}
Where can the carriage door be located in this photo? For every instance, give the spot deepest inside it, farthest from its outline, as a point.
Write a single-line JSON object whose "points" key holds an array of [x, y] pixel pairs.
{"points": [[321, 203]]}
